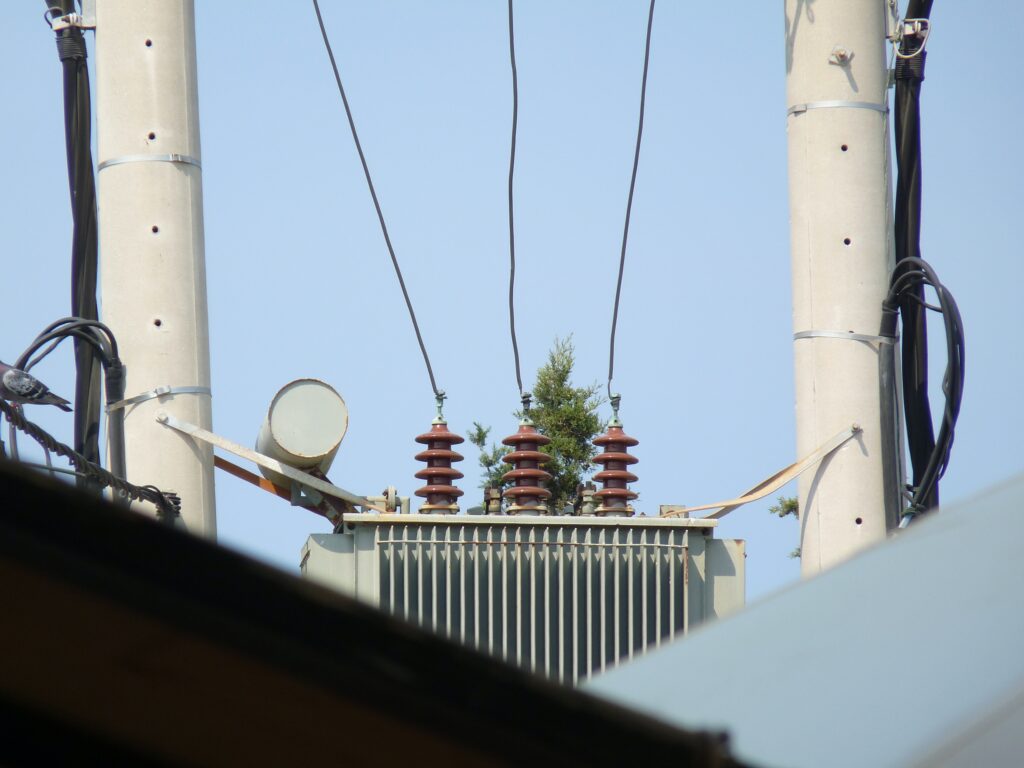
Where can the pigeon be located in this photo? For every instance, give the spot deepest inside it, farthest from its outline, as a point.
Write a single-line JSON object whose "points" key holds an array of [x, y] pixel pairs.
{"points": [[17, 386]]}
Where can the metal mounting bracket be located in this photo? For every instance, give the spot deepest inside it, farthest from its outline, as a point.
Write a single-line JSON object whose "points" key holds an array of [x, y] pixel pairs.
{"points": [[84, 20], [304, 479], [769, 485], [303, 496], [840, 56]]}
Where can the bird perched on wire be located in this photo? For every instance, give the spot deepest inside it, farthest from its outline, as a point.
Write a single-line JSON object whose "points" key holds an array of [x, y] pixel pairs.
{"points": [[17, 386]]}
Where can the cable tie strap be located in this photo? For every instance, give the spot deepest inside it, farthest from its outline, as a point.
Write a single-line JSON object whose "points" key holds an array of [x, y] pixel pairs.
{"points": [[911, 67], [71, 46], [849, 335], [168, 158], [161, 391], [890, 314], [799, 109]]}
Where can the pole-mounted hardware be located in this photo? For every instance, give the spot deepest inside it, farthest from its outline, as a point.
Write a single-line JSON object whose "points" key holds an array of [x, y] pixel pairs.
{"points": [[84, 20], [911, 28], [305, 480]]}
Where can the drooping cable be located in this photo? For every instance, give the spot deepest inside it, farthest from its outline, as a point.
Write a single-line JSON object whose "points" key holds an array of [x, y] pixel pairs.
{"points": [[629, 201], [376, 202], [100, 340], [511, 212], [910, 277], [92, 332]]}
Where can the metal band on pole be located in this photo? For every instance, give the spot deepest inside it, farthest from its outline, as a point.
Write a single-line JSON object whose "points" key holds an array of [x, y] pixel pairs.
{"points": [[850, 335], [158, 392], [798, 109], [169, 158]]}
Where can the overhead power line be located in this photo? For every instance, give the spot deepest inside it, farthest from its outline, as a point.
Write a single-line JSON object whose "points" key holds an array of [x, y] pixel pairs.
{"points": [[376, 202], [629, 201], [511, 211]]}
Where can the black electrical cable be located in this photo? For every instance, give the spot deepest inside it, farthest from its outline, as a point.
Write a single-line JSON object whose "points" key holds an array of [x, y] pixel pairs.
{"points": [[82, 322], [909, 278], [101, 341], [920, 435], [629, 201], [55, 338], [376, 203], [921, 440], [511, 213], [92, 332], [919, 9], [71, 51]]}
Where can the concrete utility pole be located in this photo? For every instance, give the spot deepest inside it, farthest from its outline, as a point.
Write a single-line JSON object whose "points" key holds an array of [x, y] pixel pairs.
{"points": [[837, 123], [152, 259]]}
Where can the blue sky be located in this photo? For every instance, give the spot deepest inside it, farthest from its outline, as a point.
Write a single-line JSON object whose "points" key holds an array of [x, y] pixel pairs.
{"points": [[300, 283]]}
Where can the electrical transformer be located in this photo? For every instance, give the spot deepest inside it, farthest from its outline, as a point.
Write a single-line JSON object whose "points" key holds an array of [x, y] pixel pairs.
{"points": [[563, 596]]}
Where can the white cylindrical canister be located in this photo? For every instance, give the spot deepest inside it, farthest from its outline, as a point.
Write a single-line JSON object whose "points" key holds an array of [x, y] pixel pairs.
{"points": [[305, 424]]}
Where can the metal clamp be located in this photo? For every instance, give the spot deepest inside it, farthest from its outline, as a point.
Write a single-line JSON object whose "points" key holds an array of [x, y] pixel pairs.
{"points": [[168, 158], [799, 109], [84, 20], [161, 391], [912, 28], [850, 335]]}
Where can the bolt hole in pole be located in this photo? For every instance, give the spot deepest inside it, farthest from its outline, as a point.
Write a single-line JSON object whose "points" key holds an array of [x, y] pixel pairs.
{"points": [[158, 322], [155, 229], [844, 148], [149, 43], [846, 241], [152, 136], [859, 520]]}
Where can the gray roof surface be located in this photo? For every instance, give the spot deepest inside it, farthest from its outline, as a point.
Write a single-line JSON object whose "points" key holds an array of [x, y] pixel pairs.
{"points": [[911, 653]]}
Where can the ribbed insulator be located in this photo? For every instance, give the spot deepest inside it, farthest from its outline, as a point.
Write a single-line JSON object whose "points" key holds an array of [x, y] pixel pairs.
{"points": [[526, 494], [439, 491], [614, 497]]}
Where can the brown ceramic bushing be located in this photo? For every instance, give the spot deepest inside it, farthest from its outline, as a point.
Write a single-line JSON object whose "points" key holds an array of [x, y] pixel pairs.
{"points": [[440, 492], [614, 497], [527, 493]]}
